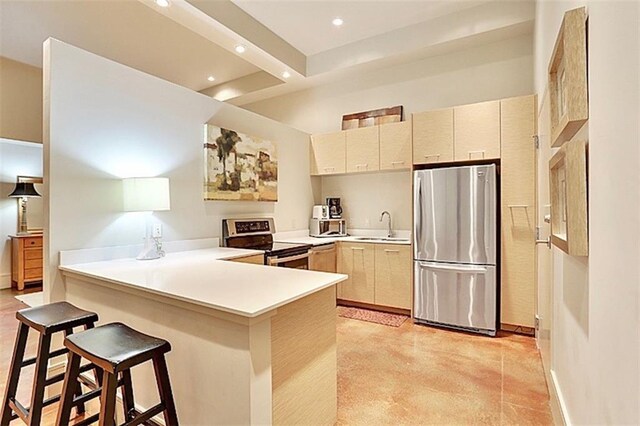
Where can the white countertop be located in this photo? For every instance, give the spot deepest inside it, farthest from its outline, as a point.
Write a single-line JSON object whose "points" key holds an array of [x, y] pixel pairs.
{"points": [[203, 277], [302, 237]]}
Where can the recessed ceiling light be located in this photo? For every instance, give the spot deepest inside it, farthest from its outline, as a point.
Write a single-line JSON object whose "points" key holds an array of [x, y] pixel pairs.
{"points": [[240, 48], [211, 78], [337, 22], [286, 74], [162, 3]]}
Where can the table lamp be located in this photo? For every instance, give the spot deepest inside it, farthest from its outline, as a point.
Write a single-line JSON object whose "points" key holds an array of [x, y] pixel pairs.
{"points": [[147, 195], [23, 191]]}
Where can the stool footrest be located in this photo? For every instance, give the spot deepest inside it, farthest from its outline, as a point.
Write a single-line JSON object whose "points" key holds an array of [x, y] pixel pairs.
{"points": [[60, 377], [18, 410], [86, 397], [57, 352], [88, 420], [146, 416]]}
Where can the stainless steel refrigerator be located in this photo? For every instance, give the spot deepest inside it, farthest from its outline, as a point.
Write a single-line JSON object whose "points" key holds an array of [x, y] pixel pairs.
{"points": [[454, 250]]}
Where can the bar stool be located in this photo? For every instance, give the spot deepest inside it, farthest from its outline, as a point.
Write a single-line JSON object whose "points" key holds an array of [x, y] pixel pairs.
{"points": [[116, 348], [46, 320]]}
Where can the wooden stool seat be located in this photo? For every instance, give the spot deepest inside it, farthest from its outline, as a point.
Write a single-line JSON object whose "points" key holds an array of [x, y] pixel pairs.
{"points": [[116, 347], [46, 320], [55, 317]]}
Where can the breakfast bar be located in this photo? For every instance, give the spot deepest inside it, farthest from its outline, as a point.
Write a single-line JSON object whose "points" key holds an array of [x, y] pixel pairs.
{"points": [[251, 344]]}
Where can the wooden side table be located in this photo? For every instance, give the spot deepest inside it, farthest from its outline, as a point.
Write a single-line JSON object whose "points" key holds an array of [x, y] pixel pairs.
{"points": [[26, 260]]}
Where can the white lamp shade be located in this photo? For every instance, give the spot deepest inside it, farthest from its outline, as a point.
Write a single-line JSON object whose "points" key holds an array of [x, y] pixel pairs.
{"points": [[146, 194]]}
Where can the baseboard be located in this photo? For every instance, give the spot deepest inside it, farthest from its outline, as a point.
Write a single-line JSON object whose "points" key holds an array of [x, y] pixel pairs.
{"points": [[5, 281], [557, 403], [381, 308]]}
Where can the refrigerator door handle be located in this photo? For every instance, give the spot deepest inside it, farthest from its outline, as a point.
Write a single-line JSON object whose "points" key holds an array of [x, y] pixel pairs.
{"points": [[470, 269]]}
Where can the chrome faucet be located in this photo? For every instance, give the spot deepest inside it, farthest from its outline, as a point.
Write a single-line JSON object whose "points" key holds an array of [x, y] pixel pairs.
{"points": [[389, 232]]}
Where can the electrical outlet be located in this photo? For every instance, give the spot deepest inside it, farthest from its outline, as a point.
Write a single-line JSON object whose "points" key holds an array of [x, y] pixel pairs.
{"points": [[157, 230]]}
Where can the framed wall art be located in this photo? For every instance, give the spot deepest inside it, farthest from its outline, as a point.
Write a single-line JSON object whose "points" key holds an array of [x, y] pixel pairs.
{"points": [[239, 167]]}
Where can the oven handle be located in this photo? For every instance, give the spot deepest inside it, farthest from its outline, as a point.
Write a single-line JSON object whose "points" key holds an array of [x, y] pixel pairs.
{"points": [[277, 260]]}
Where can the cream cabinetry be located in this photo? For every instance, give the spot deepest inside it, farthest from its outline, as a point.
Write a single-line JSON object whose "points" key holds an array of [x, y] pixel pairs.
{"points": [[328, 153], [363, 149], [393, 275], [433, 136], [477, 131], [323, 258], [518, 199], [395, 146], [357, 261], [379, 274]]}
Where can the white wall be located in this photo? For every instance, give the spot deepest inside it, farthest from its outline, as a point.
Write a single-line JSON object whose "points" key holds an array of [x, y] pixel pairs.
{"points": [[16, 159], [108, 121], [493, 71], [595, 344]]}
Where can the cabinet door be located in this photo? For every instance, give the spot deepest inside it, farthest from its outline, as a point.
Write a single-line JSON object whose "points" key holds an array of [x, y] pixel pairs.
{"points": [[395, 146], [393, 275], [328, 153], [323, 258], [518, 180], [477, 131], [357, 261], [363, 150], [433, 136]]}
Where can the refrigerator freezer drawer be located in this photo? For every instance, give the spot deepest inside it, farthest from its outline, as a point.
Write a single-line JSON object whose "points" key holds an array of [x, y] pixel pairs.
{"points": [[461, 296]]}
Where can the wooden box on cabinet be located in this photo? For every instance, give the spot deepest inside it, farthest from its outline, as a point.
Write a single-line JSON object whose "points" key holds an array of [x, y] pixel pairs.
{"points": [[568, 190], [518, 209], [568, 90], [356, 260], [433, 136], [363, 149], [328, 153], [395, 146], [26, 260], [477, 131], [393, 275]]}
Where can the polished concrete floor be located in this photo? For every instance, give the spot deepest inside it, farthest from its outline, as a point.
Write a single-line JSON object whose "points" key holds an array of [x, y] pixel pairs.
{"points": [[410, 375], [416, 375]]}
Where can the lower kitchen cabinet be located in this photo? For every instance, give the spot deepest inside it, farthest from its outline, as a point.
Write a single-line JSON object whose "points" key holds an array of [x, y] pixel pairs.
{"points": [[323, 258], [379, 274], [393, 276], [356, 260]]}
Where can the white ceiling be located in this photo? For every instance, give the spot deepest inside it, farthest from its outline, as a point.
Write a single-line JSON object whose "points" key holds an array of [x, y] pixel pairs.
{"points": [[126, 31], [306, 25]]}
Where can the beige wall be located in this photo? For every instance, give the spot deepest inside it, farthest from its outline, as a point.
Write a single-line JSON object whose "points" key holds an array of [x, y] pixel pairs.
{"points": [[492, 71], [20, 101], [594, 302], [109, 121]]}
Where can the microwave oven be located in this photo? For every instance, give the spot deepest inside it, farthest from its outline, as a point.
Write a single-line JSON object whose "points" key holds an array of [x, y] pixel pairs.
{"points": [[328, 228]]}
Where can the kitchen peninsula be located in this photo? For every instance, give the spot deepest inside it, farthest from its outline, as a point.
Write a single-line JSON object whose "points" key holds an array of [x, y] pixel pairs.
{"points": [[251, 344]]}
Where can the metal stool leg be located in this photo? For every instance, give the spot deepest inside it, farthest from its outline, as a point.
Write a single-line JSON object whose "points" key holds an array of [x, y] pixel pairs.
{"points": [[68, 389], [164, 388], [37, 396], [14, 372]]}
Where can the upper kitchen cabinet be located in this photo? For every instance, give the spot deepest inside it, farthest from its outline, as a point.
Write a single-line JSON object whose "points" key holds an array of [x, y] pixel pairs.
{"points": [[477, 131], [363, 149], [433, 136], [518, 199], [395, 146], [328, 153]]}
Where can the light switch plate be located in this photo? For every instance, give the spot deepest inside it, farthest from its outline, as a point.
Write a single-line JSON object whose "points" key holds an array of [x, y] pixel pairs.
{"points": [[157, 230]]}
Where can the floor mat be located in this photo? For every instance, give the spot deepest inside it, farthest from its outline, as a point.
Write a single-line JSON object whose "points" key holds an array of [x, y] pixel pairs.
{"points": [[384, 318]]}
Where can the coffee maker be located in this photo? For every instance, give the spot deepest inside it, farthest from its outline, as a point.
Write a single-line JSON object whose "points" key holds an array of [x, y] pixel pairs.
{"points": [[335, 210]]}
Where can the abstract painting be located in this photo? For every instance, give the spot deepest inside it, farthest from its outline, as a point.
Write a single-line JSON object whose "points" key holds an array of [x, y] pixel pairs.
{"points": [[239, 167]]}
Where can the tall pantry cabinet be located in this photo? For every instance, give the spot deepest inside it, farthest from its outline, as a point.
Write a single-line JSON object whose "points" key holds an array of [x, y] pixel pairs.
{"points": [[518, 210]]}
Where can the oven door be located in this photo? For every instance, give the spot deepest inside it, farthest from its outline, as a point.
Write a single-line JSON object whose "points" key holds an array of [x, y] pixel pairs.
{"points": [[296, 261]]}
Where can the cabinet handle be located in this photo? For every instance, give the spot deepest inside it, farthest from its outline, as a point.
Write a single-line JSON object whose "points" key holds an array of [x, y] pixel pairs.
{"points": [[391, 251], [518, 206], [357, 248], [393, 163], [432, 155], [326, 169], [476, 152], [361, 165]]}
